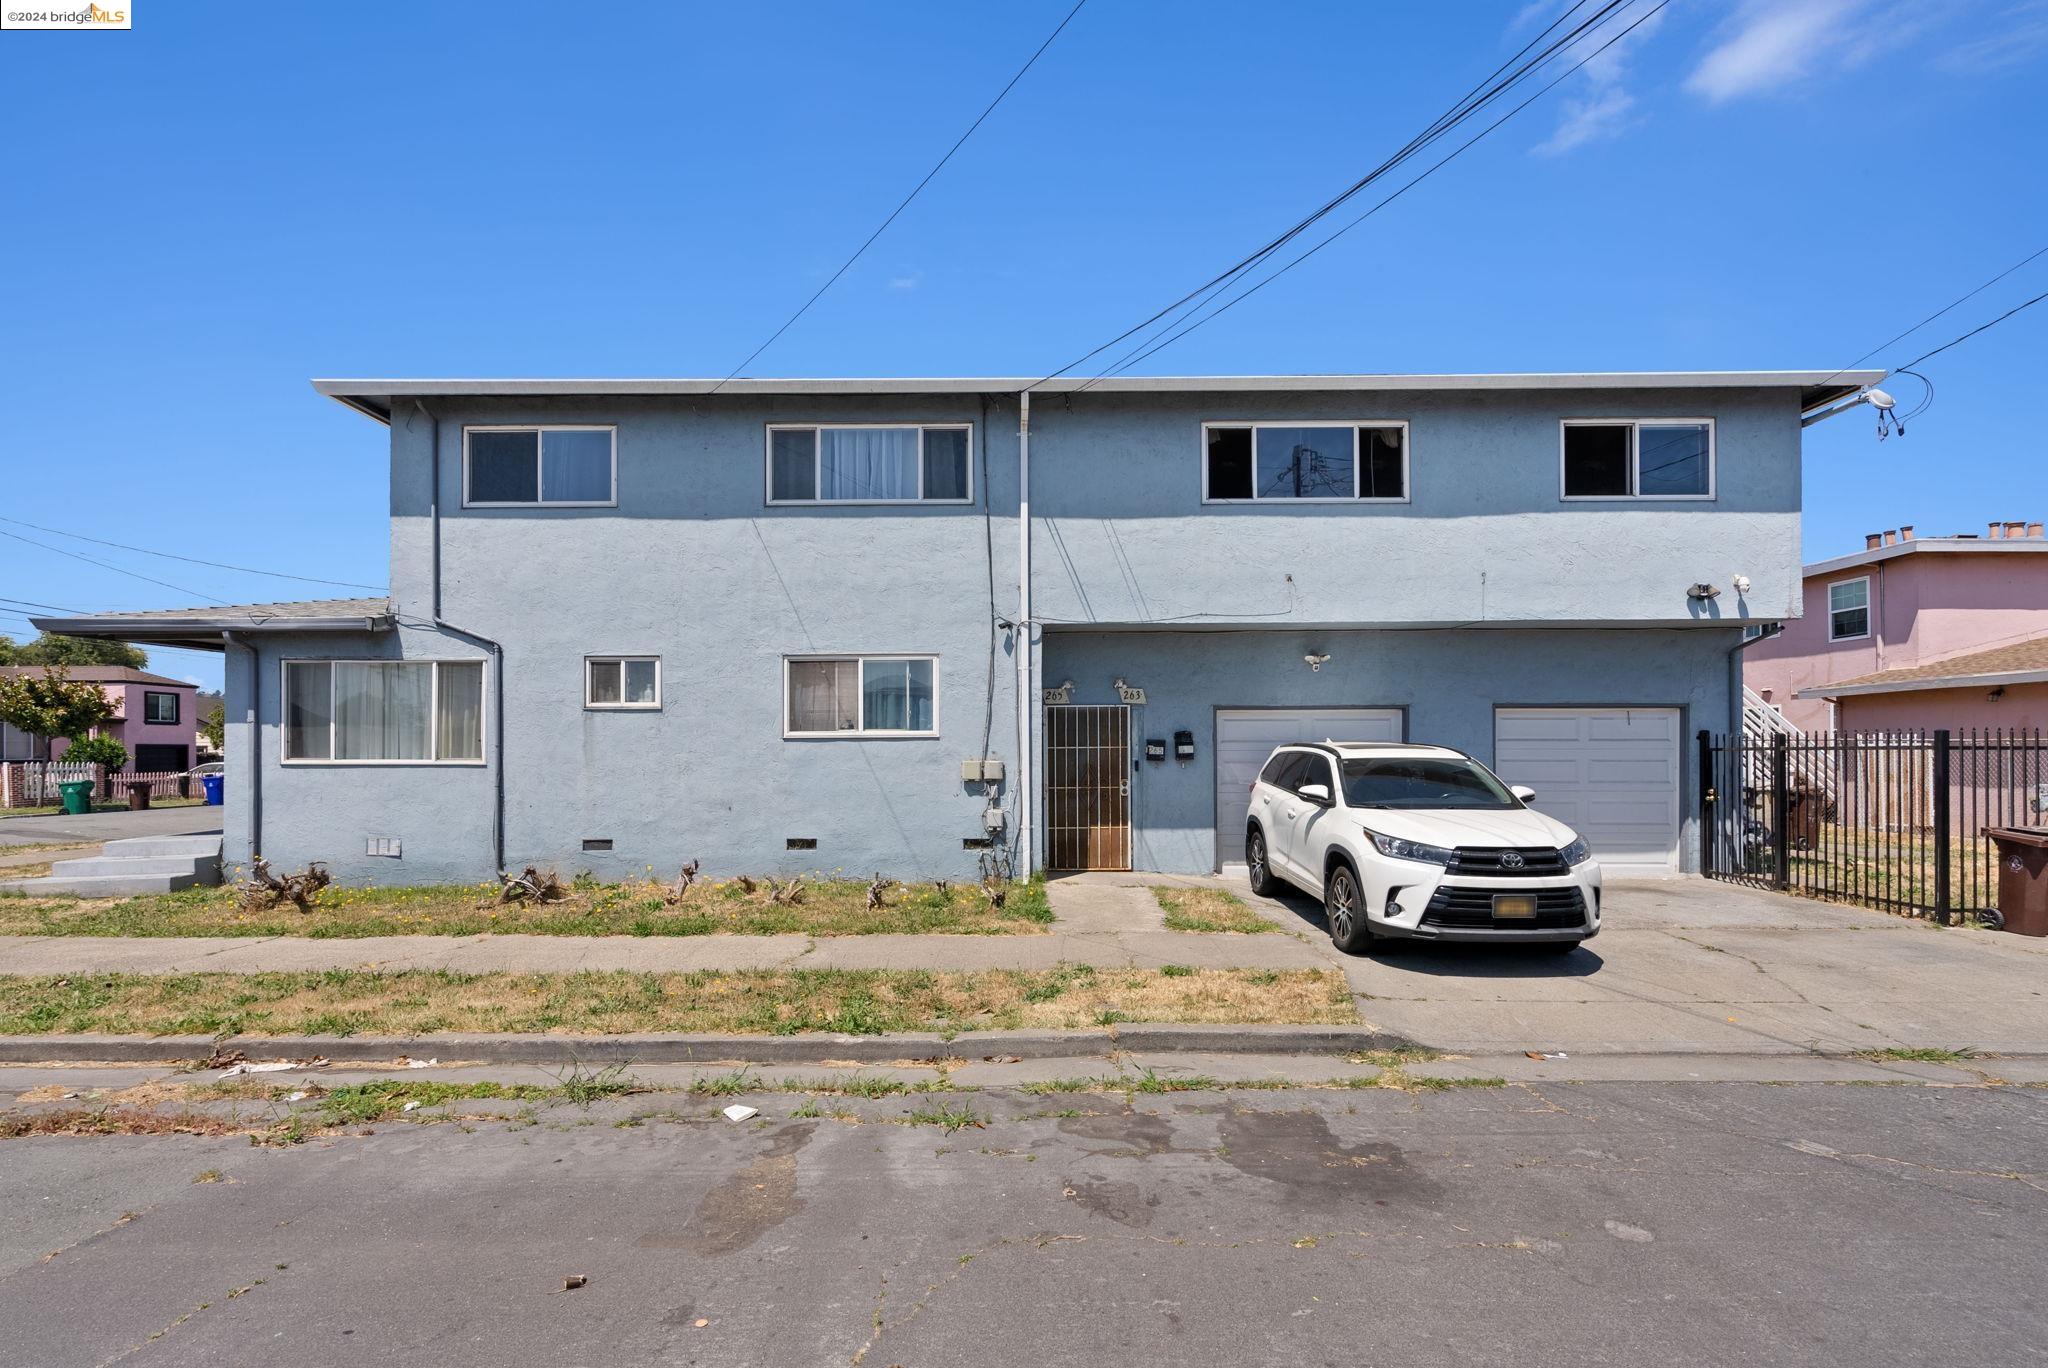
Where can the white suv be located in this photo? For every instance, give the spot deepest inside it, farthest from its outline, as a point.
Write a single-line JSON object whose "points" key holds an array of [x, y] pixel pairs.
{"points": [[1423, 842]]}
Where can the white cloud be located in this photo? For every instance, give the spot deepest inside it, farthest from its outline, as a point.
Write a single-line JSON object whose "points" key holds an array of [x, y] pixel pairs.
{"points": [[2023, 38], [903, 282], [1771, 45], [1603, 109]]}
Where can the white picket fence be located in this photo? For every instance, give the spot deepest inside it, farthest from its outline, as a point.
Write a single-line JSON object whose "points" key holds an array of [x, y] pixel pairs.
{"points": [[33, 784]]}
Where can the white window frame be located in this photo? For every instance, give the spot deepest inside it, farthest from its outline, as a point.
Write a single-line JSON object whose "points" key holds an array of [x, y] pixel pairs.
{"points": [[1357, 466], [1635, 454], [818, 468], [284, 668], [177, 708], [1869, 617], [590, 704], [862, 732], [540, 439]]}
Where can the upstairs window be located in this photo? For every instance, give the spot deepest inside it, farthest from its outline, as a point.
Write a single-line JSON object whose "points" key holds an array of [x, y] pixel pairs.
{"points": [[860, 696], [1329, 462], [1650, 458], [160, 708], [849, 464], [384, 712], [527, 467], [622, 682], [1849, 609]]}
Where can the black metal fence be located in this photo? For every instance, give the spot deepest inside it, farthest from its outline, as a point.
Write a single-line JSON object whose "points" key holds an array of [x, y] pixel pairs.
{"points": [[1894, 821]]}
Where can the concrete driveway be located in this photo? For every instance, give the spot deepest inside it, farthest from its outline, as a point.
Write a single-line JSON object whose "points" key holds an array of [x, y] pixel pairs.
{"points": [[111, 826], [1696, 966]]}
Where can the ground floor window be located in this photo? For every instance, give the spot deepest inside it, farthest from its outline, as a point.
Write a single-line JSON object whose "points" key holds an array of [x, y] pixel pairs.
{"points": [[860, 695], [384, 711]]}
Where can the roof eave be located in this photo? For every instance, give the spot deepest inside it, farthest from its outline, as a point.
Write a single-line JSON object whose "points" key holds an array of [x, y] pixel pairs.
{"points": [[203, 633], [1969, 681]]}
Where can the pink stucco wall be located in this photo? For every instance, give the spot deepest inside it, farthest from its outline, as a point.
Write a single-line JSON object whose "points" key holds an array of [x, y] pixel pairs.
{"points": [[1924, 607], [2023, 708], [129, 728]]}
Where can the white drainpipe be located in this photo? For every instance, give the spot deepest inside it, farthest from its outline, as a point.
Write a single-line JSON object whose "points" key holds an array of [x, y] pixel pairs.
{"points": [[1026, 790]]}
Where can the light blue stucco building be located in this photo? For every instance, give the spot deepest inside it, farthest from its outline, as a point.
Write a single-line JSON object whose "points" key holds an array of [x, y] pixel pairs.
{"points": [[902, 625]]}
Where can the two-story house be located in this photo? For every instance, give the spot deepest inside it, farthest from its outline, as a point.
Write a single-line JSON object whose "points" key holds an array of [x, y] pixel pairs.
{"points": [[1914, 633], [893, 624], [152, 716]]}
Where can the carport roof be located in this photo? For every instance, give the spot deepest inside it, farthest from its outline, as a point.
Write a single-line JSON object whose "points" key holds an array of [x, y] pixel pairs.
{"points": [[377, 398], [200, 629]]}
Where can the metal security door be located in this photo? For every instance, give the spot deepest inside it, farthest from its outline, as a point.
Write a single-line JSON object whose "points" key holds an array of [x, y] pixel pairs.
{"points": [[1088, 787]]}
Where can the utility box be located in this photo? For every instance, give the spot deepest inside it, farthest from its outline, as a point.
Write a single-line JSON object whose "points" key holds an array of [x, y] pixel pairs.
{"points": [[2022, 878], [987, 770]]}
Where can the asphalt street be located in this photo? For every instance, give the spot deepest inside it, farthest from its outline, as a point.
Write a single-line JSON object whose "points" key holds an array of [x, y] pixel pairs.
{"points": [[1583, 1223]]}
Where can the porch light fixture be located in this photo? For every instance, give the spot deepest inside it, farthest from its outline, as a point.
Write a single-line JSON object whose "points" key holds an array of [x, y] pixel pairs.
{"points": [[1316, 662]]}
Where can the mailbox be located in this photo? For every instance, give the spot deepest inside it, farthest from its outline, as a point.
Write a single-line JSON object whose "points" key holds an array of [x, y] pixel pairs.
{"points": [[1155, 750], [1183, 746]]}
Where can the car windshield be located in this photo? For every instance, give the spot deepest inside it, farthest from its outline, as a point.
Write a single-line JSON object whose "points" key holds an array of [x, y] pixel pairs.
{"points": [[1422, 782]]}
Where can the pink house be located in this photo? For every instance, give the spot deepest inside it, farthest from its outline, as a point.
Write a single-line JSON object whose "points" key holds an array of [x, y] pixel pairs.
{"points": [[1914, 633], [153, 717]]}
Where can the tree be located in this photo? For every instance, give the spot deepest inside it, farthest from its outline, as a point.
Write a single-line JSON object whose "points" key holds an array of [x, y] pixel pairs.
{"points": [[65, 650], [52, 704], [214, 727]]}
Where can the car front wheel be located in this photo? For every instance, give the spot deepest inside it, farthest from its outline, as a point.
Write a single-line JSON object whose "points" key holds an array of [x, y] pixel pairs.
{"points": [[1344, 907], [1256, 867]]}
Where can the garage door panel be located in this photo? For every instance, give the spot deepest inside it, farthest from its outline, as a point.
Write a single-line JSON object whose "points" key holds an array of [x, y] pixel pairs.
{"points": [[1612, 774], [1246, 736]]}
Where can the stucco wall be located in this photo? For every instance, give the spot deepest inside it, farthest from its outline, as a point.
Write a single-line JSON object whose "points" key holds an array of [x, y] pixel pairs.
{"points": [[2023, 707], [1448, 681]]}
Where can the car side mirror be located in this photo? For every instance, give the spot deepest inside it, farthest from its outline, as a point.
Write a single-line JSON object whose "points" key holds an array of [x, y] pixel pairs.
{"points": [[1523, 792], [1316, 793]]}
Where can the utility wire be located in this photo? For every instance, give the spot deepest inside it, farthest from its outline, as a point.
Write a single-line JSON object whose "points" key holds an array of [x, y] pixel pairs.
{"points": [[1938, 313], [31, 603], [1460, 111], [893, 213], [109, 565], [1133, 358], [191, 560], [1972, 332]]}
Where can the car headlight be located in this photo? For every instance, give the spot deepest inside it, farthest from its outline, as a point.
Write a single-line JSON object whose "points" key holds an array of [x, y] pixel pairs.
{"points": [[1396, 848], [1577, 853]]}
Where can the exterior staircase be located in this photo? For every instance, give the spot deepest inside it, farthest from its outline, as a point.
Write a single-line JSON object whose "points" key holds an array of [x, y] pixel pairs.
{"points": [[141, 864]]}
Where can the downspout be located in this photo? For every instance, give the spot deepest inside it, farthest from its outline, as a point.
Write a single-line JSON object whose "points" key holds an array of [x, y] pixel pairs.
{"points": [[497, 651], [1026, 770], [255, 745]]}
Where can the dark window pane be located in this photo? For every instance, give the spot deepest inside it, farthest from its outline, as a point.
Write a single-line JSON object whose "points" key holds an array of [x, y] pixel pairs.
{"points": [[576, 466], [945, 463], [1851, 622], [1305, 463], [1672, 459], [1230, 463], [1316, 771], [793, 463], [1596, 459], [1379, 470], [504, 467]]}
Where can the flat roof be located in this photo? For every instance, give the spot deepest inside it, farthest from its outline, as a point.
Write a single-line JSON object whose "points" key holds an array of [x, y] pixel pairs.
{"points": [[376, 397], [1927, 546], [201, 629]]}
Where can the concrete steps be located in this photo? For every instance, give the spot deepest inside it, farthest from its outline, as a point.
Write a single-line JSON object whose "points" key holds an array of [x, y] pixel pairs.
{"points": [[141, 864]]}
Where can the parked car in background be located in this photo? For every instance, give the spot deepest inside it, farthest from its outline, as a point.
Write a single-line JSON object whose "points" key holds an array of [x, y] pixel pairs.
{"points": [[1417, 842]]}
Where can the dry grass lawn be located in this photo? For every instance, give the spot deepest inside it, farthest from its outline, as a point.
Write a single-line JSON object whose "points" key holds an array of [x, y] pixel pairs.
{"points": [[749, 1002], [1208, 909], [832, 907]]}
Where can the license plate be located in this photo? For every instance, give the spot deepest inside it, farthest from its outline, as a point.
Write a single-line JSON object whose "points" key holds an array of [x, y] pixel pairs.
{"points": [[1509, 906]]}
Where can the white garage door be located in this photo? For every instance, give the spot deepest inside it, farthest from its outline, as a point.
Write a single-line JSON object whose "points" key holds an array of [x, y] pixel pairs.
{"points": [[1246, 736], [1610, 773]]}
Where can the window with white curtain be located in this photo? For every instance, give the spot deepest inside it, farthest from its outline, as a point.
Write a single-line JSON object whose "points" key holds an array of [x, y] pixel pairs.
{"points": [[372, 712], [622, 682], [848, 463], [564, 467], [861, 696]]}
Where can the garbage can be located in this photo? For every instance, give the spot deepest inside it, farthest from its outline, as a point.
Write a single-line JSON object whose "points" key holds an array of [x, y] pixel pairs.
{"points": [[77, 795], [138, 794], [2022, 878], [211, 784]]}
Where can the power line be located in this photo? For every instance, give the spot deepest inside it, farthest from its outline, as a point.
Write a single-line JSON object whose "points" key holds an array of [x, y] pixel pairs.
{"points": [[109, 565], [1972, 332], [1160, 343], [915, 191], [31, 603], [1938, 313], [1458, 113], [190, 560]]}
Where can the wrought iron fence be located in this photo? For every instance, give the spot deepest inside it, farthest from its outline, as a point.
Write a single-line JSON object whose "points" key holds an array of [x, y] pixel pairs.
{"points": [[1895, 821]]}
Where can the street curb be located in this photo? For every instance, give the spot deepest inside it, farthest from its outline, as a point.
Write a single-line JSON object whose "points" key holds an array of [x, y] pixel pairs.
{"points": [[690, 1049]]}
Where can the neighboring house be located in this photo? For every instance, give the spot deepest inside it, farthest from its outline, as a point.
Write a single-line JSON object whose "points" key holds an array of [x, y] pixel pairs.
{"points": [[153, 717], [1914, 633], [774, 625]]}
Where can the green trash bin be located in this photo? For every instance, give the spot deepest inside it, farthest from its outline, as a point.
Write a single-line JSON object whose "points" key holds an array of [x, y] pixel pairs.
{"points": [[77, 795]]}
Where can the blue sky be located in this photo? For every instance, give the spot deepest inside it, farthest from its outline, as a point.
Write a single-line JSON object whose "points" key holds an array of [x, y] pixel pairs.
{"points": [[208, 210]]}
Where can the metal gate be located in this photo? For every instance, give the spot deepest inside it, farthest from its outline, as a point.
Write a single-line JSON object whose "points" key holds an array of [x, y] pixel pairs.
{"points": [[1088, 786]]}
